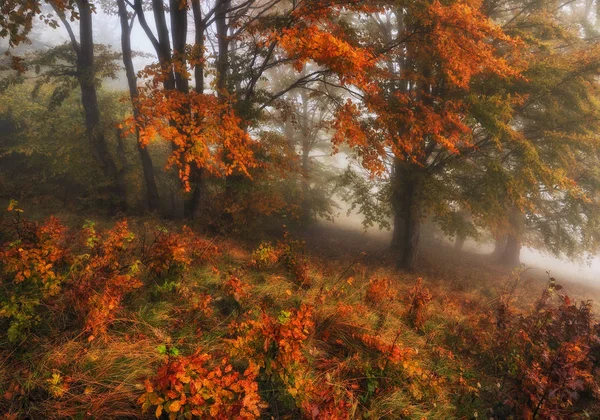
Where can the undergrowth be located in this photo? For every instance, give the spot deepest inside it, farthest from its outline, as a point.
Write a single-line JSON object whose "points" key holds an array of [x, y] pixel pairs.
{"points": [[139, 320]]}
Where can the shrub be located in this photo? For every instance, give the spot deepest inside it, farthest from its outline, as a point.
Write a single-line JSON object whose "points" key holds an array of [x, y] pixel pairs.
{"points": [[49, 271], [199, 386], [418, 299], [548, 356], [265, 256], [33, 262], [380, 292]]}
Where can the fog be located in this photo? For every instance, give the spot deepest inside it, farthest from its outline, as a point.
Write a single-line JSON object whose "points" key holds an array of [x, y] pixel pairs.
{"points": [[107, 31], [585, 271]]}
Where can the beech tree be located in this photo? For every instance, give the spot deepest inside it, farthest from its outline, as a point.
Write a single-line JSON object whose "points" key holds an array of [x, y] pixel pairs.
{"points": [[210, 126], [126, 21], [541, 182], [416, 121]]}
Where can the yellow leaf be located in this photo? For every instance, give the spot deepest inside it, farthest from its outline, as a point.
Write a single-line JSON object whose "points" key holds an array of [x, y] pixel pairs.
{"points": [[174, 406]]}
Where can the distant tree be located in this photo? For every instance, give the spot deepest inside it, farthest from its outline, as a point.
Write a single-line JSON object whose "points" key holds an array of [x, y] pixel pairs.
{"points": [[16, 24]]}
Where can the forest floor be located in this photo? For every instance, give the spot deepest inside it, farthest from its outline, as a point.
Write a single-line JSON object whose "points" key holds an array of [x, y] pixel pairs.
{"points": [[327, 330], [440, 263]]}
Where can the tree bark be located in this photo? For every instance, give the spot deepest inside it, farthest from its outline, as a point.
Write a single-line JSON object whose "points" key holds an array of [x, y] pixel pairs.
{"points": [[223, 44], [199, 45], [407, 184], [306, 203], [179, 35], [89, 101], [512, 253], [162, 45], [499, 247], [192, 203], [459, 243], [152, 195]]}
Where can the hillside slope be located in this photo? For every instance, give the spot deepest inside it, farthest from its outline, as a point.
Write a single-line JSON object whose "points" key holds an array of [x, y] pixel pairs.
{"points": [[180, 326]]}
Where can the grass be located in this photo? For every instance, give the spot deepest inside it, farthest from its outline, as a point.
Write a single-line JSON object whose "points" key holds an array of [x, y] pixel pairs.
{"points": [[364, 348]]}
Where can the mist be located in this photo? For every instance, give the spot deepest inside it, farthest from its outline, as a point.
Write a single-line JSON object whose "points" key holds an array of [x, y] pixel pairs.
{"points": [[287, 209]]}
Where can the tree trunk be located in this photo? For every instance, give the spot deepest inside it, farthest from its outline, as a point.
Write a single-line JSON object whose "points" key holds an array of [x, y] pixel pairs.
{"points": [[407, 214], [223, 44], [191, 204], [179, 35], [152, 195], [199, 45], [512, 252], [193, 201], [306, 203], [89, 100], [499, 247], [459, 242]]}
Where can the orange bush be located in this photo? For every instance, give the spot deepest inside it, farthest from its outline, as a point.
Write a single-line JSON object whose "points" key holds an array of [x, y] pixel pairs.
{"points": [[380, 292], [199, 386], [418, 299]]}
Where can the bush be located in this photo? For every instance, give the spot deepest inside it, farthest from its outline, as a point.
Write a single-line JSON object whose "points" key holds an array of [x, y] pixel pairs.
{"points": [[50, 272]]}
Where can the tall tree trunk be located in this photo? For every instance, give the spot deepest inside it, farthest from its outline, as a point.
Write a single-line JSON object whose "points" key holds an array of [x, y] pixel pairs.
{"points": [[407, 214], [179, 34], [223, 44], [306, 202], [199, 46], [191, 204], [179, 37], [512, 252], [147, 165], [193, 201], [89, 100], [164, 45], [459, 243]]}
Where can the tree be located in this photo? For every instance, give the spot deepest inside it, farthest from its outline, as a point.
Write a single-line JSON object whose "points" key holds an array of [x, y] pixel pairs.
{"points": [[84, 49], [16, 26], [147, 166], [304, 118], [417, 121], [542, 180], [209, 127]]}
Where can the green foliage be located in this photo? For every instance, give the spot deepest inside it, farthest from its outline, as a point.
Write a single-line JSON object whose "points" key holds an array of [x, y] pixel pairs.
{"points": [[368, 197], [45, 152]]}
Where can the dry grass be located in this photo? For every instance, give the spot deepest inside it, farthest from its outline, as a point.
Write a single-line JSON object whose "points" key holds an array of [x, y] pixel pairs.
{"points": [[356, 334]]}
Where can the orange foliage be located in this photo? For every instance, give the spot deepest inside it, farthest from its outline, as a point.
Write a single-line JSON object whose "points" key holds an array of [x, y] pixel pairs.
{"points": [[460, 35], [418, 299], [199, 386], [380, 292], [110, 271], [172, 249], [235, 288], [203, 131], [450, 44], [322, 47], [46, 266]]}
